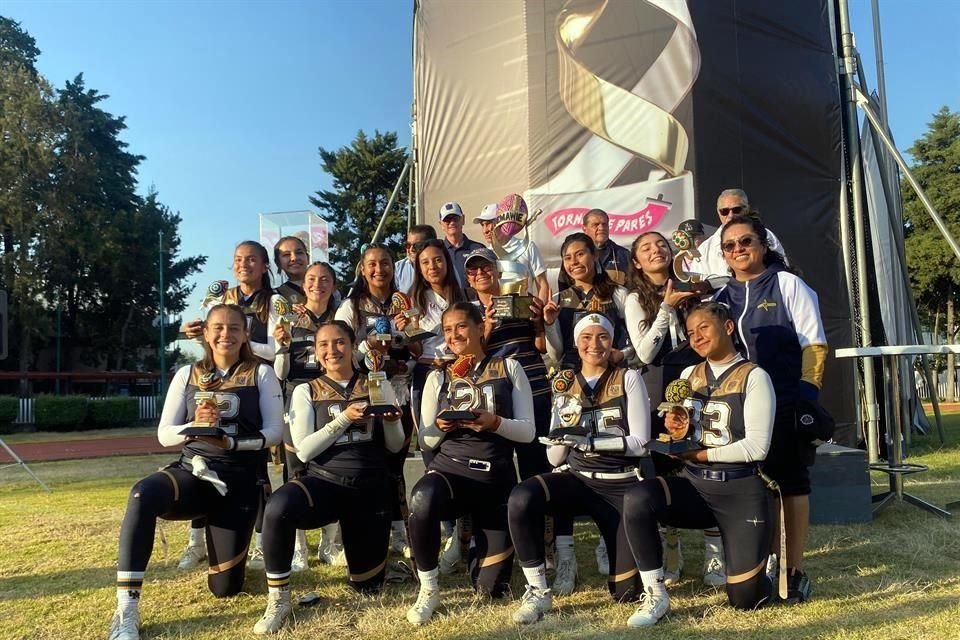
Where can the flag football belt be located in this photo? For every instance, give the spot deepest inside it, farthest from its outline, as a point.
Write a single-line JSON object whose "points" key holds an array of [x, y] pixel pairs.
{"points": [[623, 474], [722, 475], [350, 482], [471, 463]]}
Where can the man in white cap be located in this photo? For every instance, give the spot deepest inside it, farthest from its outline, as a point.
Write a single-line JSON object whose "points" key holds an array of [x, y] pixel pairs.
{"points": [[530, 257], [458, 245]]}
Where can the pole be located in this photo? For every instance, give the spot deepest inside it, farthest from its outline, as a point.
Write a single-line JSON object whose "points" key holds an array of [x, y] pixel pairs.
{"points": [[848, 58], [878, 51], [163, 321], [393, 197], [56, 385]]}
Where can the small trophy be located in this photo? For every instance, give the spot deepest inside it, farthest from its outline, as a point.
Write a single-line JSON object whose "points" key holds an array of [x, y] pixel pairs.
{"points": [[512, 218], [684, 280], [207, 395], [376, 378], [287, 318], [462, 396], [401, 303], [668, 443], [382, 330], [214, 295]]}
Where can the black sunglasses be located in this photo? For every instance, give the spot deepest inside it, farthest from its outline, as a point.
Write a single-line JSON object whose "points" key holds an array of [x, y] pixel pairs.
{"points": [[744, 241], [728, 210]]}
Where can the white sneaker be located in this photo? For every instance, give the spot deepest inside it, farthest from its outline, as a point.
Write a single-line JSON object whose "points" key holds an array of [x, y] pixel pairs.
{"points": [[652, 608], [276, 615], [450, 555], [194, 556], [533, 604], [332, 553], [125, 625], [422, 610], [566, 580], [672, 563], [398, 539], [714, 574], [255, 558], [603, 558], [301, 555]]}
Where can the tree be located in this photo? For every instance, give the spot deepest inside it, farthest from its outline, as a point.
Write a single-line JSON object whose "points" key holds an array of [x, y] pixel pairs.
{"points": [[17, 46], [364, 174], [934, 270]]}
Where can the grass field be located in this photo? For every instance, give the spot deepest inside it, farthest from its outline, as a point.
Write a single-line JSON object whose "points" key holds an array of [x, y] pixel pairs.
{"points": [[898, 577]]}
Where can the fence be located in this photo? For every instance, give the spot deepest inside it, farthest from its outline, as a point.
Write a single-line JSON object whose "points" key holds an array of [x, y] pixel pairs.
{"points": [[148, 405]]}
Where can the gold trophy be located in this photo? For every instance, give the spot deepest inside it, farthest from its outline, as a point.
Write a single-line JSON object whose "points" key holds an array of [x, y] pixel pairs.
{"points": [[400, 303], [376, 378], [684, 280], [287, 318], [208, 383], [462, 396], [514, 300], [669, 443]]}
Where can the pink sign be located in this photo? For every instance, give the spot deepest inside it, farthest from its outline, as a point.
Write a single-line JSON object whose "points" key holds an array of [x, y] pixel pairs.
{"points": [[560, 221]]}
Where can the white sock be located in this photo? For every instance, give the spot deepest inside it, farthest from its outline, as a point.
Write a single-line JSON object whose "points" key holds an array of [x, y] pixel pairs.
{"points": [[712, 542], [653, 580], [278, 583], [429, 579], [301, 544], [258, 539], [536, 576], [196, 538], [564, 547], [128, 599]]}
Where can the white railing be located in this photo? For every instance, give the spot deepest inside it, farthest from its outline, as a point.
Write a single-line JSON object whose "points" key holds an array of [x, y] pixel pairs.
{"points": [[148, 409]]}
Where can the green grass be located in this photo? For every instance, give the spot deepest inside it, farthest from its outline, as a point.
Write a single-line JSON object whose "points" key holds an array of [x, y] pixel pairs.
{"points": [[898, 577]]}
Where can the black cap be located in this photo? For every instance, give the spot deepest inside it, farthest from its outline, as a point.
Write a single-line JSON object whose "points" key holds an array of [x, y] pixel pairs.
{"points": [[691, 226]]}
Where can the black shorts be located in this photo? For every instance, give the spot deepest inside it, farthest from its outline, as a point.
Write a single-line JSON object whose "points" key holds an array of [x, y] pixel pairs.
{"points": [[790, 457]]}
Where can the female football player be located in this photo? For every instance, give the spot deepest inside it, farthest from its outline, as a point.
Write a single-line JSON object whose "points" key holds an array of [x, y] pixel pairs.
{"points": [[216, 477], [601, 422], [473, 413], [291, 257], [729, 413], [345, 477]]}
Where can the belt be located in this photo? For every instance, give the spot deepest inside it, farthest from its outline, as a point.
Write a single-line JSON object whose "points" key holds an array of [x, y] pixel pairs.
{"points": [[623, 474], [722, 475], [356, 482], [471, 463]]}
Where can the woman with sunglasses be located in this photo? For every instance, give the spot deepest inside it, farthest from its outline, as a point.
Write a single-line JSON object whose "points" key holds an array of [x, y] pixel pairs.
{"points": [[344, 453], [778, 319], [216, 477], [472, 470], [729, 413], [601, 422]]}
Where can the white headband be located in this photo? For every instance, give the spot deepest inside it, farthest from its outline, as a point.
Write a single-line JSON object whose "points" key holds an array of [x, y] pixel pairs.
{"points": [[589, 321]]}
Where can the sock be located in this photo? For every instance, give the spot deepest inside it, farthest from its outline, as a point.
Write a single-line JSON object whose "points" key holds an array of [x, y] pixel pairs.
{"points": [[278, 582], [301, 544], [653, 581], [536, 576], [196, 538], [258, 540], [449, 528], [128, 589], [564, 548], [712, 542], [429, 579]]}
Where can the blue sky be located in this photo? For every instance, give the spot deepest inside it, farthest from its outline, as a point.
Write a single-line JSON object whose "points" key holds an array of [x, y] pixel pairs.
{"points": [[230, 101]]}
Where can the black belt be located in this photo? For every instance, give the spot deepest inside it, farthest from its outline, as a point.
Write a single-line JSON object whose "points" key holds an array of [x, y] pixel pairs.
{"points": [[352, 482], [722, 475]]}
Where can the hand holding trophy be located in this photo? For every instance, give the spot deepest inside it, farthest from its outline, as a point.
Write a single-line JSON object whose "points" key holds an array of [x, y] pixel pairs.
{"points": [[206, 420], [376, 378], [401, 305], [680, 438], [286, 318], [512, 219], [214, 295], [462, 396]]}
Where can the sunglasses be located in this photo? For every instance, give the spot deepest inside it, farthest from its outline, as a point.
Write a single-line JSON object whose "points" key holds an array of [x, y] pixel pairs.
{"points": [[728, 210], [483, 266], [743, 241]]}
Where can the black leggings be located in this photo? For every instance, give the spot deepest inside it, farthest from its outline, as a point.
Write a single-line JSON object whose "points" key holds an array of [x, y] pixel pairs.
{"points": [[395, 461], [176, 494], [532, 456], [565, 495], [310, 502], [742, 508], [439, 496]]}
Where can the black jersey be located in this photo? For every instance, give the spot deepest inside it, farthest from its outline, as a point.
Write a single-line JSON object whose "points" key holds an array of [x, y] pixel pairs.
{"points": [[359, 450], [292, 292], [238, 398], [569, 317], [368, 311], [256, 307], [487, 387], [302, 350], [603, 415], [716, 406]]}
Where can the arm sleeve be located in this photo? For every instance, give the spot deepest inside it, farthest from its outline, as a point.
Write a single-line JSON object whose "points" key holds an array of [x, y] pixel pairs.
{"points": [[647, 341], [638, 413], [430, 436], [804, 310], [519, 428], [271, 408], [554, 342], [759, 408], [620, 299], [556, 454], [264, 350], [774, 243], [309, 442], [281, 365], [345, 313], [535, 261], [174, 410], [393, 436]]}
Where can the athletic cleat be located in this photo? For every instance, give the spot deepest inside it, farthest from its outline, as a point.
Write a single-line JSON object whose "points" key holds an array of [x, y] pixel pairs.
{"points": [[652, 608], [672, 563], [603, 558], [277, 613], [398, 539], [566, 580], [125, 625], [301, 559], [773, 568], [255, 558], [422, 610], [194, 556], [714, 574], [450, 555], [533, 604], [799, 587], [332, 554]]}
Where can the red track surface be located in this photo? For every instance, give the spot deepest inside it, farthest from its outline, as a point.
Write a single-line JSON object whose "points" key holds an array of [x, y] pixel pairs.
{"points": [[95, 448]]}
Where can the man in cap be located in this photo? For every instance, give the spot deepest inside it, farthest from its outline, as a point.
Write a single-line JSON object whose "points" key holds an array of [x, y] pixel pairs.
{"points": [[458, 245], [731, 202], [530, 257]]}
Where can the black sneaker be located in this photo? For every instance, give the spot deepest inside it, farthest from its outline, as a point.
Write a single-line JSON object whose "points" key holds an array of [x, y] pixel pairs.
{"points": [[799, 587]]}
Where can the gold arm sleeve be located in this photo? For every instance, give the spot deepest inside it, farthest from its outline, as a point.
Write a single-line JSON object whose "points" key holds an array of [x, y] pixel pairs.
{"points": [[812, 360]]}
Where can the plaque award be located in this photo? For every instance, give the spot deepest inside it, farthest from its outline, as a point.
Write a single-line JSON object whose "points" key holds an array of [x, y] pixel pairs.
{"points": [[512, 218], [674, 443], [207, 395], [400, 303], [376, 378]]}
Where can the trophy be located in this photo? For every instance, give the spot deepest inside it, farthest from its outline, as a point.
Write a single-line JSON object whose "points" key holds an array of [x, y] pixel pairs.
{"points": [[287, 318], [376, 378], [401, 303], [462, 396], [512, 218], [668, 443], [684, 280], [207, 395], [214, 295], [382, 330]]}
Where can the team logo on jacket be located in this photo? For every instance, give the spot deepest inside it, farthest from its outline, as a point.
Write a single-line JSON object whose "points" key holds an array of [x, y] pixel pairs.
{"points": [[766, 305]]}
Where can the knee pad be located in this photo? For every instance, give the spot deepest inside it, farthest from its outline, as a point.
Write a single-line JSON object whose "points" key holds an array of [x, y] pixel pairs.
{"points": [[524, 496], [425, 494]]}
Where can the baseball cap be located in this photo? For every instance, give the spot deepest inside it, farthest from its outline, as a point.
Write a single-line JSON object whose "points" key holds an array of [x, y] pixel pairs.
{"points": [[488, 213], [691, 226], [482, 254], [450, 209]]}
